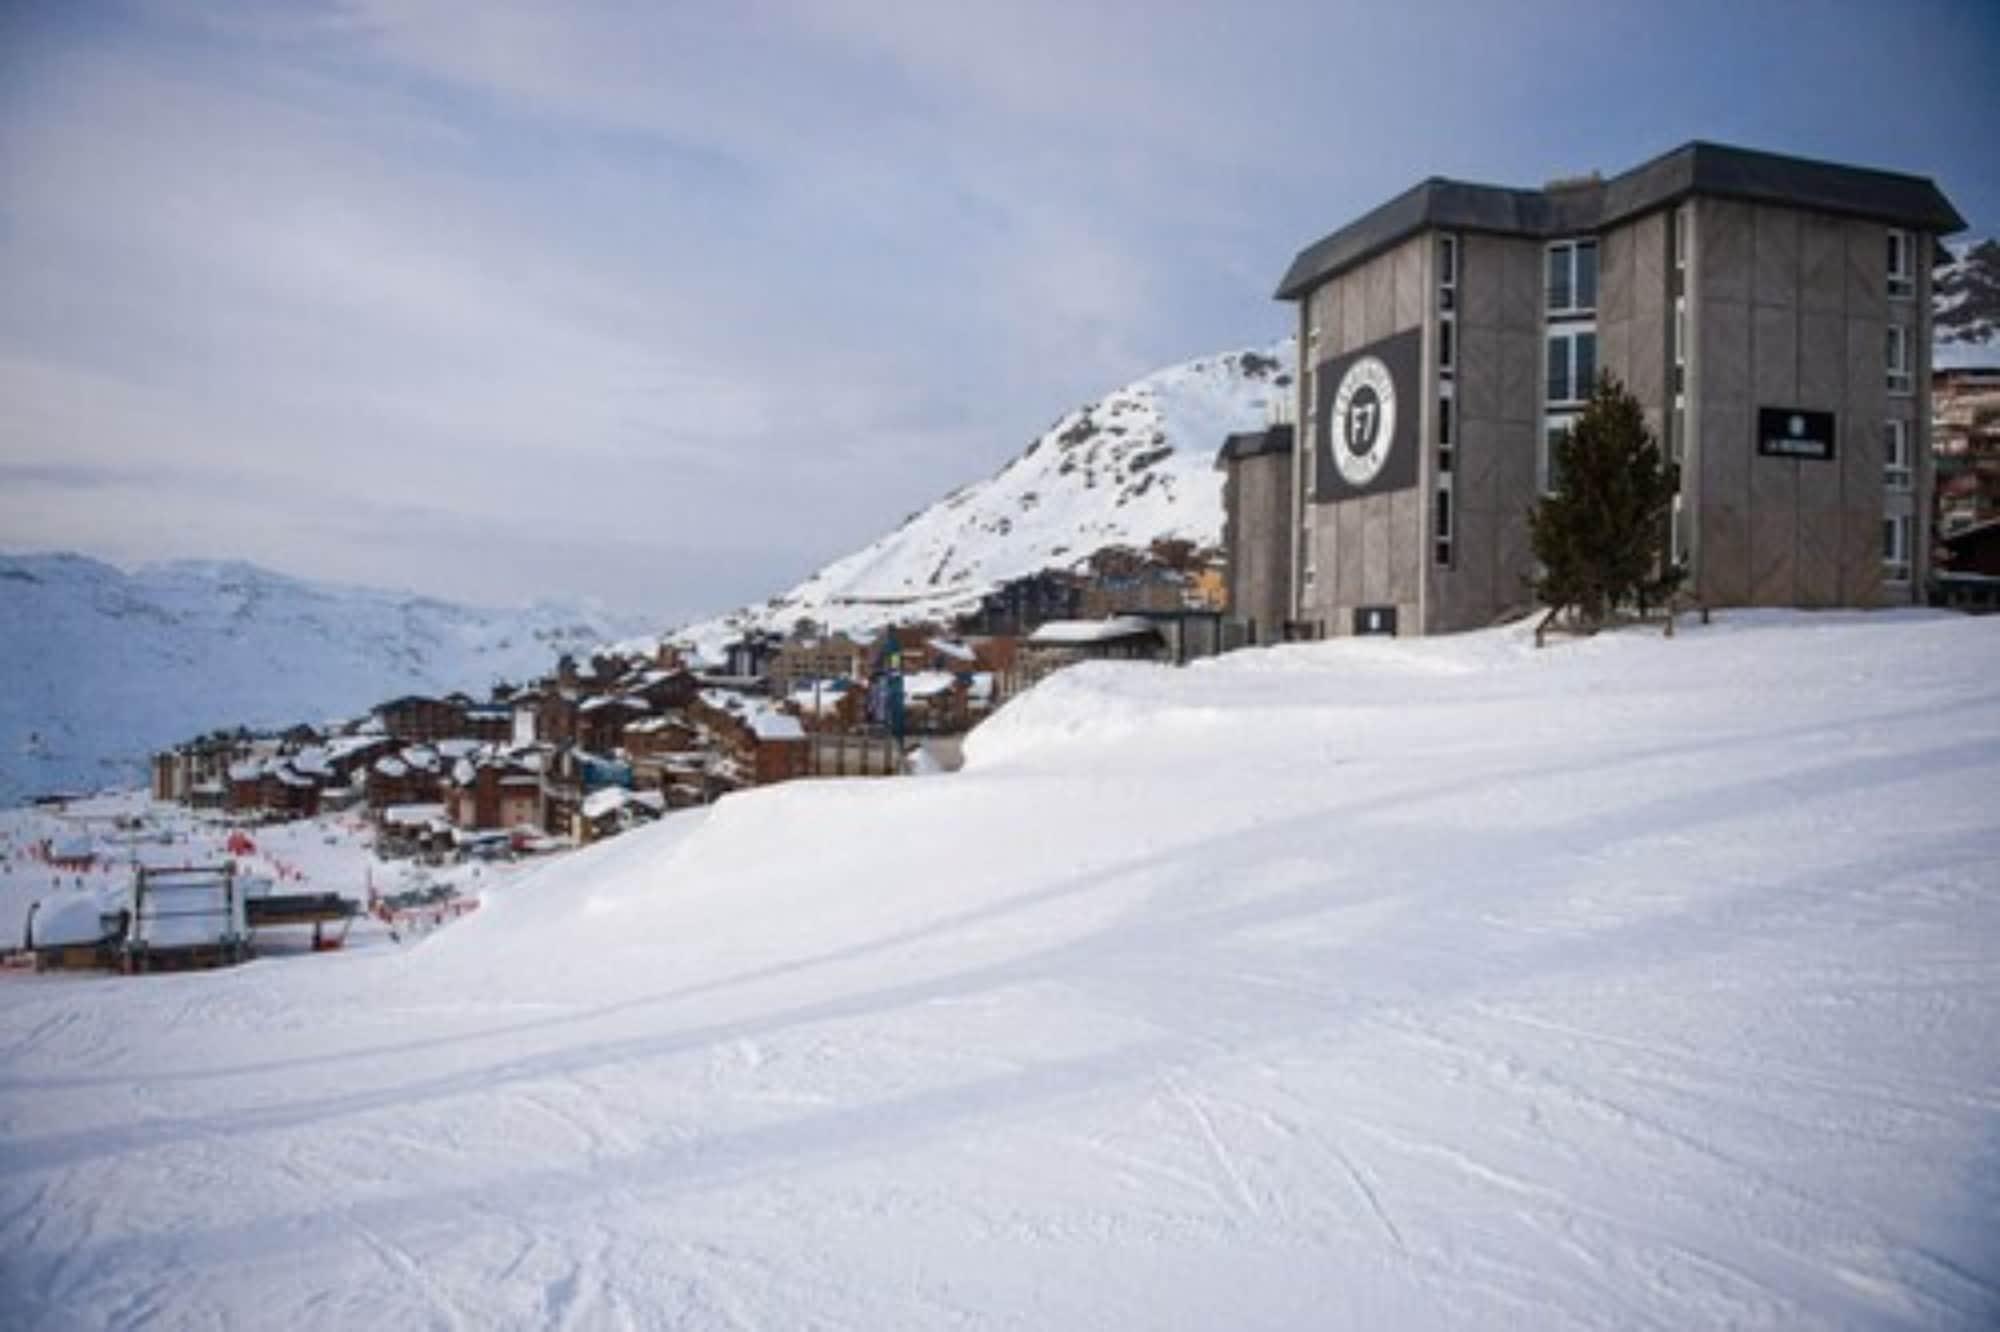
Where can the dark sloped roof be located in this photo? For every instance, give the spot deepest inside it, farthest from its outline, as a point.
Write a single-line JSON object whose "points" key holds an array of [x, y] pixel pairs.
{"points": [[1693, 168], [1250, 443]]}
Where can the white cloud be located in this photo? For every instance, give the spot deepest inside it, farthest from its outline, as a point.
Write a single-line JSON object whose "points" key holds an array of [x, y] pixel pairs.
{"points": [[641, 278]]}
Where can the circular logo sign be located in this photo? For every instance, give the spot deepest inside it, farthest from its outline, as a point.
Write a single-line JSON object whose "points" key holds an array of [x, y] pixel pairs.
{"points": [[1364, 421]]}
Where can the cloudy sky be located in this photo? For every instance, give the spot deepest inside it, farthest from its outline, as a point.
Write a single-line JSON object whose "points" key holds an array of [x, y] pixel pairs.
{"points": [[668, 303]]}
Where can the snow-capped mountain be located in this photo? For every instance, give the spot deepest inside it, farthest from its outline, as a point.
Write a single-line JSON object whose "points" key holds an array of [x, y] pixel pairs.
{"points": [[102, 667], [1133, 467]]}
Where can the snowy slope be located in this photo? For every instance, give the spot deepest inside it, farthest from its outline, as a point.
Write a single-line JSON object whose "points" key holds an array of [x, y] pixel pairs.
{"points": [[1374, 984], [104, 666], [1133, 467]]}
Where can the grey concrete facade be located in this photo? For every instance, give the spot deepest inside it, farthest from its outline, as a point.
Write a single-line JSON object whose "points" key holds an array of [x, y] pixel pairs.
{"points": [[1780, 271], [1791, 308], [1496, 396], [1257, 498], [1365, 551]]}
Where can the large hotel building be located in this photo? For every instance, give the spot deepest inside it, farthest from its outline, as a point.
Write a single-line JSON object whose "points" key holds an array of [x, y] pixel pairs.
{"points": [[1771, 315]]}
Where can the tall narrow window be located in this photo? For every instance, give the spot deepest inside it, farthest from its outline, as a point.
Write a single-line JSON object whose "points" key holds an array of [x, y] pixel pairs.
{"points": [[1680, 222], [1680, 344], [1548, 467], [1896, 548], [1900, 378], [1571, 282], [1902, 266], [1559, 370], [1896, 471], [1447, 344], [1572, 357]]}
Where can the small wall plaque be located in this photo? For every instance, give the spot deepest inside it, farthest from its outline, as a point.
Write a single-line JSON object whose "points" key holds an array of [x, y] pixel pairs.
{"points": [[1790, 432]]}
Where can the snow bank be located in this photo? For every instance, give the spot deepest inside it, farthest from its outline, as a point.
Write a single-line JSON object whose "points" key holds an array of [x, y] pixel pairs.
{"points": [[1442, 984]]}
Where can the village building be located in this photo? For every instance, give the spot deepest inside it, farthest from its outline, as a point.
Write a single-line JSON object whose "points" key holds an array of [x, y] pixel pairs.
{"points": [[408, 777], [1969, 576], [271, 787], [1965, 439], [420, 829], [1772, 316], [413, 717], [601, 721], [800, 661], [936, 703], [1061, 643], [761, 745], [1122, 580], [569, 775], [746, 661], [1257, 501], [493, 792], [556, 717], [199, 768], [662, 688], [663, 733], [828, 705], [1020, 605], [490, 723], [614, 809]]}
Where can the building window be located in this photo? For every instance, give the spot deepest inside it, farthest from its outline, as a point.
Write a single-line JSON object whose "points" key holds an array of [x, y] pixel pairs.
{"points": [[1572, 277], [1680, 345], [1441, 536], [1899, 358], [1572, 365], [1896, 471], [1902, 267], [1548, 472], [1896, 548], [1447, 274], [1444, 432], [1683, 218], [1447, 352]]}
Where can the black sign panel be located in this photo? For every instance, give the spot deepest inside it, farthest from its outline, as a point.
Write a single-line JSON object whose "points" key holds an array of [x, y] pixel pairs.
{"points": [[1375, 620], [1369, 407], [1790, 432]]}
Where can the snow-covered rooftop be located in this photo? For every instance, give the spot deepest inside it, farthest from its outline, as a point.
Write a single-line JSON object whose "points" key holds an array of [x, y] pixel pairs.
{"points": [[413, 816], [1078, 633], [927, 684]]}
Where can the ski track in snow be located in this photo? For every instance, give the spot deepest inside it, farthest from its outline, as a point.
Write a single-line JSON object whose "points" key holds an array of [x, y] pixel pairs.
{"points": [[1439, 984]]}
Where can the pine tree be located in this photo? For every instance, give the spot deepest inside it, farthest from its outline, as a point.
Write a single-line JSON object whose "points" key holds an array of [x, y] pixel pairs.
{"points": [[1966, 294], [1601, 539]]}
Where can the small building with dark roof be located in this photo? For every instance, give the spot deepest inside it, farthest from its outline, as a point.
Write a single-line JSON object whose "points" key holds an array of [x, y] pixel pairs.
{"points": [[1256, 508], [1770, 314]]}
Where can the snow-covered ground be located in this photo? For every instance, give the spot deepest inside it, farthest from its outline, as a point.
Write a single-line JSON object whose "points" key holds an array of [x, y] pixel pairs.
{"points": [[1629, 983], [331, 854]]}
